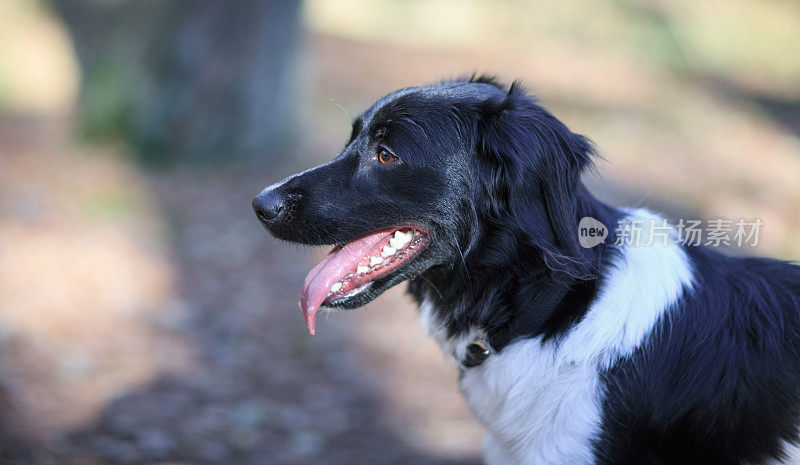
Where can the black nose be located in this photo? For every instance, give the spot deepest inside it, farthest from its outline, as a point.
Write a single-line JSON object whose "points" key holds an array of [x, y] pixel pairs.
{"points": [[269, 205]]}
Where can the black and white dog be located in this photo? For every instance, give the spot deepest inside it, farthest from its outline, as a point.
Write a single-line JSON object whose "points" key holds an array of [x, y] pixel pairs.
{"points": [[615, 354]]}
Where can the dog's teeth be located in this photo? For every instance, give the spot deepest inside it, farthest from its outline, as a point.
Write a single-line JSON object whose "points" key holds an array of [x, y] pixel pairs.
{"points": [[375, 261], [388, 251], [397, 244], [335, 287], [400, 239], [362, 269]]}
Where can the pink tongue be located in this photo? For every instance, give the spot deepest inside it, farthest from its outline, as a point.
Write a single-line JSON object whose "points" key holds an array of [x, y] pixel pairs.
{"points": [[333, 268]]}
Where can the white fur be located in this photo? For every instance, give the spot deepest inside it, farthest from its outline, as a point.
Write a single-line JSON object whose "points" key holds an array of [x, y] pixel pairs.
{"points": [[637, 291], [542, 402], [537, 409], [791, 456]]}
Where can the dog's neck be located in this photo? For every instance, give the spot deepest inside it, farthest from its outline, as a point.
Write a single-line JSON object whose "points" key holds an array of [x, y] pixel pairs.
{"points": [[480, 293]]}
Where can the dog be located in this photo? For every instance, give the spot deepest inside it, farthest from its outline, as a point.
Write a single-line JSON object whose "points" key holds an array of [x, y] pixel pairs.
{"points": [[663, 353]]}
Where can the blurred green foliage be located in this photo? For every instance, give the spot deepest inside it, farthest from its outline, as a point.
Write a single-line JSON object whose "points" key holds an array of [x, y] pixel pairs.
{"points": [[107, 99]]}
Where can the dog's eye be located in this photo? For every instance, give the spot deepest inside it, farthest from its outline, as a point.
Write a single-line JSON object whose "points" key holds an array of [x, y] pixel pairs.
{"points": [[385, 156]]}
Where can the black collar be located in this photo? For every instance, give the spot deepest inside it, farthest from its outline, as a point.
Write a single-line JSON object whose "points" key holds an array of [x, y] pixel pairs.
{"points": [[531, 319]]}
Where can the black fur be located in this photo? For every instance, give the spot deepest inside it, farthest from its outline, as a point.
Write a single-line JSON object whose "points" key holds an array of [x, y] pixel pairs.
{"points": [[719, 381], [495, 178]]}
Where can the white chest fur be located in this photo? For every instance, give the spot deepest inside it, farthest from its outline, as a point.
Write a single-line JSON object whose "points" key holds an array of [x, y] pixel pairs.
{"points": [[541, 403], [538, 409]]}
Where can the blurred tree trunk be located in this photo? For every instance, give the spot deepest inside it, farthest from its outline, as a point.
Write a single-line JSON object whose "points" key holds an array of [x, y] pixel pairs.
{"points": [[188, 79]]}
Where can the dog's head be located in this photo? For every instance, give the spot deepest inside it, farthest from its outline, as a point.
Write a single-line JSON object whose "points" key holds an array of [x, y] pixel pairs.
{"points": [[449, 176]]}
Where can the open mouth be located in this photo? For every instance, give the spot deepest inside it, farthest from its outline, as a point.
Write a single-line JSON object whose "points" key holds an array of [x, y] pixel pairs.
{"points": [[349, 270]]}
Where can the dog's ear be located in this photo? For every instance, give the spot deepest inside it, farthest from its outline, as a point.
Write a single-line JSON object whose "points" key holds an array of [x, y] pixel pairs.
{"points": [[535, 163]]}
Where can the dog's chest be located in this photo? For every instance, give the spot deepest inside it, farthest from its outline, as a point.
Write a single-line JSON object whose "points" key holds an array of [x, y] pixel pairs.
{"points": [[537, 409]]}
